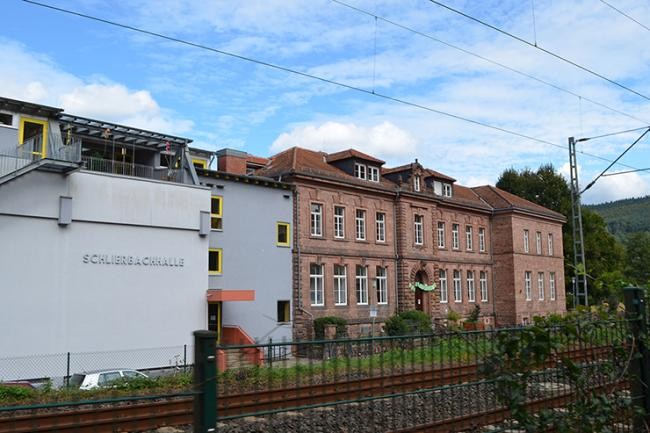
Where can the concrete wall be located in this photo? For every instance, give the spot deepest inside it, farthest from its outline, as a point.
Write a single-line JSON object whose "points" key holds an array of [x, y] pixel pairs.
{"points": [[251, 258], [54, 301]]}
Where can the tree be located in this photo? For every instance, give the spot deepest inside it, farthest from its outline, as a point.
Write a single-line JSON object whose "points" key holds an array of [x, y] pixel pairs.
{"points": [[604, 255], [638, 257]]}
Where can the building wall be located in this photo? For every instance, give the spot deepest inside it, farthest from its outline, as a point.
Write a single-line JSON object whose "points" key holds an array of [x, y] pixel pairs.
{"points": [[252, 260], [56, 300]]}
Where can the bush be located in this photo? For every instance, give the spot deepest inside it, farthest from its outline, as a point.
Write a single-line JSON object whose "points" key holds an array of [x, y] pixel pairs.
{"points": [[15, 393], [474, 314], [341, 326], [408, 323]]}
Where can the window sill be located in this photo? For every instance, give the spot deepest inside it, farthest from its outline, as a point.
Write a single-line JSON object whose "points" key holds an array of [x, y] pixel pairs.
{"points": [[283, 246], [316, 237], [340, 305]]}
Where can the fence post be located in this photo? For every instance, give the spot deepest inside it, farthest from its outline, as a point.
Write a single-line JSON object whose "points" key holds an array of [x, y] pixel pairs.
{"points": [[635, 311], [184, 357], [205, 381], [67, 371]]}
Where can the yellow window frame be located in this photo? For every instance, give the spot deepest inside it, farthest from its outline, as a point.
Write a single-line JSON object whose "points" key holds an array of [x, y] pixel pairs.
{"points": [[219, 214], [202, 162], [219, 269], [21, 134], [277, 233]]}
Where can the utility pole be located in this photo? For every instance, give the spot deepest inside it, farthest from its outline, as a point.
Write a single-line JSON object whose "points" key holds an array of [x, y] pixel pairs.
{"points": [[580, 291]]}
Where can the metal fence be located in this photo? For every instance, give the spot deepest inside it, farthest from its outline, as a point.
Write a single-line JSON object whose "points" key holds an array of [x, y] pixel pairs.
{"points": [[131, 169]]}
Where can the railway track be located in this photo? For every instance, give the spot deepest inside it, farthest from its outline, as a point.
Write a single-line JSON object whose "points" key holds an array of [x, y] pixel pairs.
{"points": [[134, 415]]}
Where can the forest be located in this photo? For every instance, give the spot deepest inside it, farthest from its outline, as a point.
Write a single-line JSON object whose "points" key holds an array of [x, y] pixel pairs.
{"points": [[624, 217]]}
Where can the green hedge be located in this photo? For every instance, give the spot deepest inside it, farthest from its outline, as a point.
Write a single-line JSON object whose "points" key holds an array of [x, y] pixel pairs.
{"points": [[408, 323], [341, 326]]}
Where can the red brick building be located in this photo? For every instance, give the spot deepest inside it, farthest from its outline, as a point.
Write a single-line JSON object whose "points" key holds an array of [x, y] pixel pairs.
{"points": [[370, 239]]}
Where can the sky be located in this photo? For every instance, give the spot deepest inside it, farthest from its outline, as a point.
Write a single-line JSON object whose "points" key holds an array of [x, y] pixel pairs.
{"points": [[399, 64]]}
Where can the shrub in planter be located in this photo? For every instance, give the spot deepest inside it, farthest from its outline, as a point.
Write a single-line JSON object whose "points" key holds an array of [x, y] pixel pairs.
{"points": [[407, 323], [472, 323], [341, 326]]}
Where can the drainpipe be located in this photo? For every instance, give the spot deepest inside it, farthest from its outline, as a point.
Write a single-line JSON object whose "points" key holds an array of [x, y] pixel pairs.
{"points": [[396, 250], [296, 239], [494, 300]]}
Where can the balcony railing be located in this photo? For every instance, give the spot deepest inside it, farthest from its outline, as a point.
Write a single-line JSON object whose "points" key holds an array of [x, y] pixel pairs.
{"points": [[130, 169], [13, 156]]}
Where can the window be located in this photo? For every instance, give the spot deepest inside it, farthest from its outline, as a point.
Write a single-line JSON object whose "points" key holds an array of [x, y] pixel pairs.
{"points": [[359, 171], [380, 223], [446, 189], [443, 286], [540, 285], [216, 209], [527, 283], [316, 219], [200, 163], [458, 290], [214, 261], [362, 285], [483, 284], [481, 239], [316, 284], [469, 238], [361, 225], [339, 222], [6, 119], [419, 223], [283, 237], [284, 311], [340, 285], [526, 248], [373, 174], [551, 285], [550, 244], [441, 235], [455, 243], [471, 290], [416, 183], [382, 285], [538, 242]]}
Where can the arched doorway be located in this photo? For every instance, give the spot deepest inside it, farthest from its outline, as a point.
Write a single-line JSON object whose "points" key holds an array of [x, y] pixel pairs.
{"points": [[421, 297]]}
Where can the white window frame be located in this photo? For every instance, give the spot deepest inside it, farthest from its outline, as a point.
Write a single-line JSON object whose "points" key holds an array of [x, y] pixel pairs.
{"points": [[416, 183], [481, 239], [471, 288], [458, 286], [446, 189], [339, 222], [550, 244], [469, 238], [538, 242], [455, 241], [441, 234], [360, 171], [418, 226], [316, 286], [551, 285], [373, 173], [444, 289], [382, 285], [526, 239], [540, 285], [316, 221], [360, 225], [483, 285], [527, 285], [361, 280], [340, 285], [380, 226]]}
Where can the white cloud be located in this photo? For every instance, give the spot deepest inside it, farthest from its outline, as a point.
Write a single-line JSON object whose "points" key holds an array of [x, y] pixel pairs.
{"points": [[618, 187], [33, 77], [384, 139]]}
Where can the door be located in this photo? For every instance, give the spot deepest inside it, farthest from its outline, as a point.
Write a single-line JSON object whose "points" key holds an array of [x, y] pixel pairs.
{"points": [[214, 319], [419, 299], [34, 131]]}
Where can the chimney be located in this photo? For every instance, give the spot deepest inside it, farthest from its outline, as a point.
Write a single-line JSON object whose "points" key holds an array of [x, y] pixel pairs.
{"points": [[232, 161]]}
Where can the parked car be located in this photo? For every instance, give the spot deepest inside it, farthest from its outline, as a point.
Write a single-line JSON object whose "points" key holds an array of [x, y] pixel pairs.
{"points": [[19, 384], [99, 379]]}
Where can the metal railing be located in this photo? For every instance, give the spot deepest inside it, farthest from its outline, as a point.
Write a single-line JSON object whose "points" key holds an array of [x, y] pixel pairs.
{"points": [[14, 157], [130, 169]]}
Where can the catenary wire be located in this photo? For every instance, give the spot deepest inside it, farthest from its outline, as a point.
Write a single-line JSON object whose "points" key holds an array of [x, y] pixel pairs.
{"points": [[486, 59], [626, 172], [625, 15], [311, 76], [613, 133], [550, 53]]}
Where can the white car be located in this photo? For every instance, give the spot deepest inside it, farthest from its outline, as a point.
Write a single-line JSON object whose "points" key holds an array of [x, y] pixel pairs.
{"points": [[99, 379]]}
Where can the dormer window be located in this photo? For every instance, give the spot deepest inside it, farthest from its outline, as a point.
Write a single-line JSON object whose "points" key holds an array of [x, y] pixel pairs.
{"points": [[359, 171], [373, 174], [416, 183], [446, 189]]}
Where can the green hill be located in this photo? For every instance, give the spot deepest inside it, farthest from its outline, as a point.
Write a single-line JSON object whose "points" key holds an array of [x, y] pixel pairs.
{"points": [[624, 217]]}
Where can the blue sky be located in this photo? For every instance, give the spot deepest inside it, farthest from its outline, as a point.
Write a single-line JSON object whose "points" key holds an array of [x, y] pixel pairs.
{"points": [[96, 70]]}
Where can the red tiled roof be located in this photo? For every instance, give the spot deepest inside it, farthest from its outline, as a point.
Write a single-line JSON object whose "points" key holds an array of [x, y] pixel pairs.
{"points": [[352, 153], [500, 199], [438, 175], [464, 195], [397, 169]]}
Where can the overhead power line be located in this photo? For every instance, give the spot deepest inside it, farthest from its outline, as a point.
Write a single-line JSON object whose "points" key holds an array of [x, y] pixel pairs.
{"points": [[311, 76], [625, 15], [486, 59], [544, 50], [612, 133], [625, 172]]}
